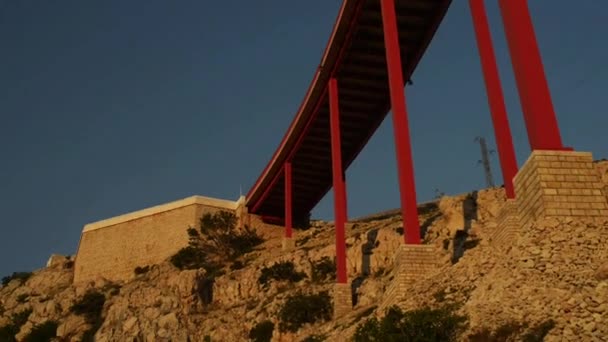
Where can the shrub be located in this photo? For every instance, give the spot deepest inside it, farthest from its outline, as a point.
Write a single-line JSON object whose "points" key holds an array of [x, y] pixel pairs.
{"points": [[315, 338], [90, 306], [21, 276], [538, 333], [141, 270], [237, 265], [417, 325], [189, 258], [8, 332], [42, 332], [303, 309], [284, 270], [19, 319], [323, 269], [22, 298], [262, 332]]}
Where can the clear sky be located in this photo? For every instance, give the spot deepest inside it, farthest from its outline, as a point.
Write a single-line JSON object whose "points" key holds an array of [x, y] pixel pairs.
{"points": [[112, 106]]}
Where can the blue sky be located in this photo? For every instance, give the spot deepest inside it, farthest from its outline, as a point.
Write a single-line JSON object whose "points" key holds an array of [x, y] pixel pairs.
{"points": [[113, 106]]}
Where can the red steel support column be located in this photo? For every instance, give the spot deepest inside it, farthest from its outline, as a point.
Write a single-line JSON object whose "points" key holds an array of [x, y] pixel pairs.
{"points": [[339, 184], [502, 131], [288, 200], [405, 165], [535, 98]]}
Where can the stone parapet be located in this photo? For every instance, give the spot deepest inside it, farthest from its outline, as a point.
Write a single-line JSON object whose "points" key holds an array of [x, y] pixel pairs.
{"points": [[343, 300], [559, 184], [507, 224]]}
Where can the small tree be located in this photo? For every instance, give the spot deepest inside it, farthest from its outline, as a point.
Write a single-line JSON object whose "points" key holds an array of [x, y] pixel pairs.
{"points": [[411, 326], [262, 332], [21, 276], [284, 270], [303, 309], [323, 269]]}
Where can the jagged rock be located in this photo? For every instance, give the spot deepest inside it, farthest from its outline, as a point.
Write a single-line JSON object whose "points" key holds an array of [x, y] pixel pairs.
{"points": [[555, 270]]}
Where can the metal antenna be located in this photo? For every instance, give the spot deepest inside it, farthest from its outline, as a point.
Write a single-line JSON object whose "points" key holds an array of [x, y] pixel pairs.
{"points": [[485, 161]]}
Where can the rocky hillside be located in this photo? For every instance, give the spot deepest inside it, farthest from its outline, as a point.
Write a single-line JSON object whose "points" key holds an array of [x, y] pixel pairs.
{"points": [[553, 279]]}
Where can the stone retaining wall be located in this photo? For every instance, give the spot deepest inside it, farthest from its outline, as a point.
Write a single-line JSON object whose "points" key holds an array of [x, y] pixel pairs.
{"points": [[113, 248]]}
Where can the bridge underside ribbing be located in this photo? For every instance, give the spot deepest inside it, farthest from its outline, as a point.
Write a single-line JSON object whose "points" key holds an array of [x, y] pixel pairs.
{"points": [[355, 56]]}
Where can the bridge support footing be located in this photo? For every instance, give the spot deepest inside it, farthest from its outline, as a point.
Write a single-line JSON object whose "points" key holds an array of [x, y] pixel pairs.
{"points": [[507, 225], [559, 184], [412, 263], [288, 244], [343, 299]]}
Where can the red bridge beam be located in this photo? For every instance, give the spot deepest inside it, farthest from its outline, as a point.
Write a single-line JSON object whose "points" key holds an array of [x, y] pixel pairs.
{"points": [[405, 164], [496, 100], [339, 183], [535, 98]]}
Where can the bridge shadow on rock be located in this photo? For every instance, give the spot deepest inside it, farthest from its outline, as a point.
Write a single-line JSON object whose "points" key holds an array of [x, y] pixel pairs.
{"points": [[469, 212], [367, 249]]}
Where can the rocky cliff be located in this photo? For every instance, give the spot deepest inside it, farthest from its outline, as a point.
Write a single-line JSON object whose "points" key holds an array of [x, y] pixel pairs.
{"points": [[556, 271]]}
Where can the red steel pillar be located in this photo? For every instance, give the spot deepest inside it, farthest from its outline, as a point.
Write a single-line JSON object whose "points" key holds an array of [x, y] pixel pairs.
{"points": [[405, 165], [502, 131], [534, 94], [288, 200], [339, 183]]}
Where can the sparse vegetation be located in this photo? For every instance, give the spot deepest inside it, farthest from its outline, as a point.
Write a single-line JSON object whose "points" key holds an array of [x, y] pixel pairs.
{"points": [[21, 276], [426, 324], [284, 270], [22, 298], [323, 269], [538, 333], [44, 332], [514, 331], [141, 270], [90, 306], [216, 242], [262, 332], [300, 309], [315, 338], [8, 332]]}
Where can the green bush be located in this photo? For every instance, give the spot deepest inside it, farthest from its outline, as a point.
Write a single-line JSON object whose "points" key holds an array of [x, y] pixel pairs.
{"points": [[417, 325], [300, 309], [20, 318], [284, 270], [141, 270], [323, 269], [221, 220], [42, 332], [189, 258], [21, 276], [90, 306], [262, 332], [538, 333], [8, 332], [22, 298]]}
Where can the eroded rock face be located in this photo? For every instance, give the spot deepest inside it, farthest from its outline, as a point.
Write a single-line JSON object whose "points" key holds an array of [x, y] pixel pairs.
{"points": [[557, 269]]}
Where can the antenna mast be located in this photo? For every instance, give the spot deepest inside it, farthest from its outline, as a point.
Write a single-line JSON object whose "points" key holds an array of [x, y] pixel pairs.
{"points": [[485, 161]]}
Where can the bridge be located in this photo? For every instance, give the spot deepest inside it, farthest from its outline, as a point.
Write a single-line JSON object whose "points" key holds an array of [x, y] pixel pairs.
{"points": [[371, 55]]}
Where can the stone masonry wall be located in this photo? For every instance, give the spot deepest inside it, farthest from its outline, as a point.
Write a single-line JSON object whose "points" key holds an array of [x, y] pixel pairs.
{"points": [[113, 248], [412, 263], [507, 224], [559, 184]]}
